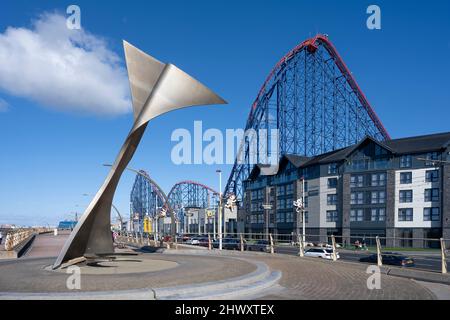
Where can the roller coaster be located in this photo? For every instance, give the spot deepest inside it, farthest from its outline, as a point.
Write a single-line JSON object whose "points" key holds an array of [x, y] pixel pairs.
{"points": [[311, 97], [314, 102]]}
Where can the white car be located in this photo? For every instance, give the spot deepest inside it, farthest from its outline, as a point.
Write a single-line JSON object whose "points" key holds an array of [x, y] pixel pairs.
{"points": [[321, 253], [193, 241]]}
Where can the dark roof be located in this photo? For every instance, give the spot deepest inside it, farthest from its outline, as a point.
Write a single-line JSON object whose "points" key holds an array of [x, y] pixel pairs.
{"points": [[419, 144], [332, 156], [431, 142], [296, 160]]}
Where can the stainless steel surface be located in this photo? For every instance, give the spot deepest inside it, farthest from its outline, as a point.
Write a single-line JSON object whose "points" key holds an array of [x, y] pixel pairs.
{"points": [[156, 88]]}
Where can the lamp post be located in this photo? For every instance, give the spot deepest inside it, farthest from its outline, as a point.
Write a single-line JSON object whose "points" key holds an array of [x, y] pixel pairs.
{"points": [[163, 195], [219, 223], [267, 207], [299, 205]]}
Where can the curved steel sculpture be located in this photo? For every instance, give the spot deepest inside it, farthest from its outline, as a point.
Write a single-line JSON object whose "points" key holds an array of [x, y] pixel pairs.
{"points": [[312, 98], [156, 88]]}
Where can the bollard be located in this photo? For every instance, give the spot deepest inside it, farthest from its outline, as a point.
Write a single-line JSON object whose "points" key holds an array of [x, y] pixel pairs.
{"points": [[443, 256], [379, 256], [301, 252], [271, 244], [209, 242], [333, 243], [242, 243], [55, 232]]}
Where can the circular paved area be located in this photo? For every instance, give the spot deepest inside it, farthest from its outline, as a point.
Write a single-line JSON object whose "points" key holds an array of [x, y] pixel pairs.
{"points": [[123, 266], [302, 278], [32, 275]]}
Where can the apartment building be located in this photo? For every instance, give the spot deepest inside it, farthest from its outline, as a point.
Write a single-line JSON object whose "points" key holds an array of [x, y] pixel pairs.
{"points": [[396, 189]]}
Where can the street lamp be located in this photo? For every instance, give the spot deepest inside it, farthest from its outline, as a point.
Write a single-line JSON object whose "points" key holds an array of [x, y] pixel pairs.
{"points": [[219, 223], [267, 207], [299, 205], [166, 200]]}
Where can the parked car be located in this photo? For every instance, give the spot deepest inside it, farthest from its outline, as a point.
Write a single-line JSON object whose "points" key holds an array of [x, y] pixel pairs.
{"points": [[390, 258], [229, 244], [260, 245], [233, 244], [203, 241], [321, 253], [194, 241]]}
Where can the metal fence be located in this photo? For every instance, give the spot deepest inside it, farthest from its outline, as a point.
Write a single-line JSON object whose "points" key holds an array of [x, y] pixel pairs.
{"points": [[418, 253]]}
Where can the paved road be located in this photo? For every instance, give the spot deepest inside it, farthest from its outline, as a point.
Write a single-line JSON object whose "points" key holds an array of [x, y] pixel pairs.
{"points": [[47, 245], [426, 262]]}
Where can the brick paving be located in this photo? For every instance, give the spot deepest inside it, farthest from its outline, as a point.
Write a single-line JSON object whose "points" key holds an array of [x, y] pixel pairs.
{"points": [[302, 278], [30, 275], [314, 279]]}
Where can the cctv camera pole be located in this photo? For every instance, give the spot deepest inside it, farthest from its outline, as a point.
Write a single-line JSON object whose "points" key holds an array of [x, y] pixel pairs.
{"points": [[219, 223]]}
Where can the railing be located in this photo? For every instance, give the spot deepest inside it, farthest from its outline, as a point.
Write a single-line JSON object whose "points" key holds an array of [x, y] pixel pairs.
{"points": [[432, 255]]}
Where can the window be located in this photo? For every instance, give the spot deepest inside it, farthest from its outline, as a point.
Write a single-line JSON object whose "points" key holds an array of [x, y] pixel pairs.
{"points": [[378, 197], [253, 218], [406, 196], [332, 168], [431, 195], [260, 194], [356, 215], [430, 157], [289, 202], [306, 186], [331, 199], [254, 194], [405, 214], [255, 206], [378, 214], [357, 198], [281, 204], [280, 191], [332, 216], [378, 180], [356, 181], [289, 188], [260, 218], [405, 161], [289, 216], [280, 217], [332, 183], [431, 214], [306, 202], [405, 177], [432, 175]]}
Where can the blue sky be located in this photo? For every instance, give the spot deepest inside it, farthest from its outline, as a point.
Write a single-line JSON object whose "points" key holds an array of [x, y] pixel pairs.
{"points": [[50, 156]]}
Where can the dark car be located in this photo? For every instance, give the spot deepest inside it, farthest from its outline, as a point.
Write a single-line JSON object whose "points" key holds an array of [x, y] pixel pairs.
{"points": [[229, 244], [390, 258], [260, 245]]}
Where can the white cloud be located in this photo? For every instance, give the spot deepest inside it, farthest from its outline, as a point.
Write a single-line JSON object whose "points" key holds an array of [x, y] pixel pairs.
{"points": [[3, 105], [70, 70]]}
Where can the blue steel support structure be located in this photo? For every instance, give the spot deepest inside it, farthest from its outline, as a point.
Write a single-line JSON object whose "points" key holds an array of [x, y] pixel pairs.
{"points": [[313, 100]]}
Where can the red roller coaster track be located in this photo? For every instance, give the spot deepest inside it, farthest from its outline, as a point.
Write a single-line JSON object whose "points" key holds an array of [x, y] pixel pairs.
{"points": [[311, 45]]}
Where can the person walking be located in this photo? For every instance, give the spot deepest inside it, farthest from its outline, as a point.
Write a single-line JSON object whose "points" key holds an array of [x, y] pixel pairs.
{"points": [[1, 237]]}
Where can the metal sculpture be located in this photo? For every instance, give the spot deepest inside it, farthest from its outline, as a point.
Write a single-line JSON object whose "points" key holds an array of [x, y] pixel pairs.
{"points": [[311, 97], [156, 88]]}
